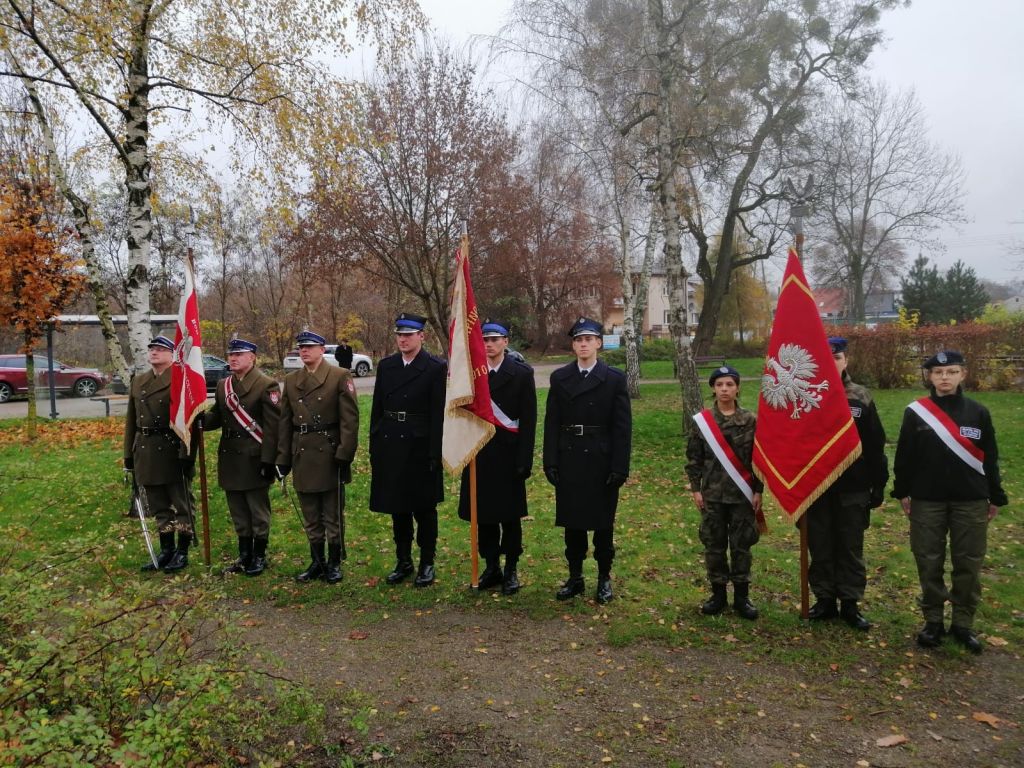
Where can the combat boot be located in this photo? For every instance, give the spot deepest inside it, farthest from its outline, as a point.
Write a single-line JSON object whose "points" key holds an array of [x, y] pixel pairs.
{"points": [[715, 604], [316, 566], [166, 553], [180, 559], [424, 576], [604, 588], [966, 637], [931, 634], [574, 585], [403, 568], [849, 613], [824, 608], [332, 573], [510, 579], [741, 601], [244, 556], [258, 563], [491, 577]]}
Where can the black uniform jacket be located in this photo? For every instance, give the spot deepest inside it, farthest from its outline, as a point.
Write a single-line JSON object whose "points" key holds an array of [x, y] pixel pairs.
{"points": [[239, 455], [587, 435], [870, 472], [926, 469], [503, 464], [319, 427], [405, 434], [148, 438]]}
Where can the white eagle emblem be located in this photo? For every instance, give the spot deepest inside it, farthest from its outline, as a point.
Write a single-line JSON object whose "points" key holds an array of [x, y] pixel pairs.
{"points": [[788, 381]]}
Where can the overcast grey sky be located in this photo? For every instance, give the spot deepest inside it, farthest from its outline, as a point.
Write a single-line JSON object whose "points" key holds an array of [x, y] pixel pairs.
{"points": [[966, 62]]}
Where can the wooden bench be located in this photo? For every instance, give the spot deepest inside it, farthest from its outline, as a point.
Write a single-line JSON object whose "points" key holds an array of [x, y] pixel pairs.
{"points": [[709, 361], [107, 399]]}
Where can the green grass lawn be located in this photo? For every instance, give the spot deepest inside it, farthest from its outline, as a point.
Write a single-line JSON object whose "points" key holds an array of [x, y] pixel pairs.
{"points": [[52, 493]]}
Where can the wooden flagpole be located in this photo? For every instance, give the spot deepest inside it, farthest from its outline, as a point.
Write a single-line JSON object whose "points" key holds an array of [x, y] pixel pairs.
{"points": [[799, 210], [804, 590], [204, 504], [473, 543]]}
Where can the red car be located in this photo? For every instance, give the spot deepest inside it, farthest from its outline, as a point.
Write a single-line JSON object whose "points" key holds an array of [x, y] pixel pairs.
{"points": [[80, 382]]}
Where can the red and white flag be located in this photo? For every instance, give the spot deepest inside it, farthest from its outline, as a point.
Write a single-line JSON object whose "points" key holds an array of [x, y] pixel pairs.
{"points": [[468, 416], [188, 381], [805, 437]]}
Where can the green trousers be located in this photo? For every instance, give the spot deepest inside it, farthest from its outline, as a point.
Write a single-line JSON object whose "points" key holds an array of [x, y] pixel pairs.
{"points": [[965, 523]]}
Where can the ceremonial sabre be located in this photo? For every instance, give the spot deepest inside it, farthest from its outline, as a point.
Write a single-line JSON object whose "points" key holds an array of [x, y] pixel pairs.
{"points": [[141, 504]]}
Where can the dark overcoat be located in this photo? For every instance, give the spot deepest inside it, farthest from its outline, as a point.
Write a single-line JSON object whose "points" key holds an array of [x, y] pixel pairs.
{"points": [[239, 454], [148, 438], [324, 404], [405, 451], [600, 402], [503, 464]]}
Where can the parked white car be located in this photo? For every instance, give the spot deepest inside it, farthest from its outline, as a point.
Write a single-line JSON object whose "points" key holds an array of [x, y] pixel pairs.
{"points": [[362, 365]]}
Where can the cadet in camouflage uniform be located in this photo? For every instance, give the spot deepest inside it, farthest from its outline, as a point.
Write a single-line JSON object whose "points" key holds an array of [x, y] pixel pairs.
{"points": [[836, 521], [728, 521], [245, 463], [946, 477], [317, 440], [162, 466]]}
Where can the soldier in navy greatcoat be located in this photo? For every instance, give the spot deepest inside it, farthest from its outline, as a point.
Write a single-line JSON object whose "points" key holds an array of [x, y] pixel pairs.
{"points": [[504, 463], [406, 421], [587, 443]]}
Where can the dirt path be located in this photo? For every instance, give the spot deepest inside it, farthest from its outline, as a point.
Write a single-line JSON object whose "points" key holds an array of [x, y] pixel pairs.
{"points": [[457, 689]]}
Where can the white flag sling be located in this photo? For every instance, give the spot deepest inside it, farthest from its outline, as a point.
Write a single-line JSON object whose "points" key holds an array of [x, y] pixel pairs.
{"points": [[724, 453], [248, 423], [949, 433]]}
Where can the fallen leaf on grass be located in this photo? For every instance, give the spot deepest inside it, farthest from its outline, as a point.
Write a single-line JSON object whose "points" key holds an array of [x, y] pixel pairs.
{"points": [[996, 641], [373, 581], [892, 741], [357, 634], [990, 720]]}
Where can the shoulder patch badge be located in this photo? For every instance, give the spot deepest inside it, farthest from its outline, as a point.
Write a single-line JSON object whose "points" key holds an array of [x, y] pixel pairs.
{"points": [[351, 387], [275, 397]]}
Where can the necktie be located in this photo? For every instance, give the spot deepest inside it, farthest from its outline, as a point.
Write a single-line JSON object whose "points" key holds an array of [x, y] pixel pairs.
{"points": [[583, 374]]}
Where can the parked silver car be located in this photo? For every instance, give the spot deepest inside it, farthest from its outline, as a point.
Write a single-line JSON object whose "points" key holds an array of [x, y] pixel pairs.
{"points": [[362, 365]]}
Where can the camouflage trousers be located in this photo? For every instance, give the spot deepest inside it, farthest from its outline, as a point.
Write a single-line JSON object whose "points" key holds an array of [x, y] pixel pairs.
{"points": [[966, 525], [835, 540], [728, 531]]}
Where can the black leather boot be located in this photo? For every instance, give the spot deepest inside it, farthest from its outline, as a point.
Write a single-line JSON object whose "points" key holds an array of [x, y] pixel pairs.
{"points": [[180, 559], [491, 577], [715, 604], [332, 574], [165, 555], [316, 566], [604, 588], [931, 634], [244, 556], [741, 602], [849, 613], [824, 608], [258, 563], [403, 568], [574, 585], [966, 637], [425, 575], [510, 579]]}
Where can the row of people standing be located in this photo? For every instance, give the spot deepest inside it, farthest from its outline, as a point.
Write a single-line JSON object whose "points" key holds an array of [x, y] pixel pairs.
{"points": [[946, 478]]}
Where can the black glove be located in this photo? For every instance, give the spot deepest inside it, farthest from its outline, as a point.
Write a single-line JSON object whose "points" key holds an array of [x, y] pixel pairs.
{"points": [[188, 467], [615, 480], [551, 473], [344, 465], [877, 497], [284, 469], [268, 471], [523, 472], [129, 463]]}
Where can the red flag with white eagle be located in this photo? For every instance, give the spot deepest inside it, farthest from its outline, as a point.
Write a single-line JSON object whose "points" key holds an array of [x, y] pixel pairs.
{"points": [[805, 436], [468, 416], [188, 380]]}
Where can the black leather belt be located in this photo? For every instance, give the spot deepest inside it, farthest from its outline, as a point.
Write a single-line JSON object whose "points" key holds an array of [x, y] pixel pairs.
{"points": [[147, 431], [579, 430], [305, 429], [234, 433], [404, 415]]}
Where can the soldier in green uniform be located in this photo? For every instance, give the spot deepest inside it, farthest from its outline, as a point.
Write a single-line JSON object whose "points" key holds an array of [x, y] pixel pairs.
{"points": [[836, 521], [946, 477], [247, 410], [719, 453], [317, 442], [162, 466]]}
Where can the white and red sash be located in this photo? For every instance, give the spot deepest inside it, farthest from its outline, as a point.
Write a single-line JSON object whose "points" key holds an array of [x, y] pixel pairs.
{"points": [[247, 422], [948, 432], [724, 453], [512, 425]]}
